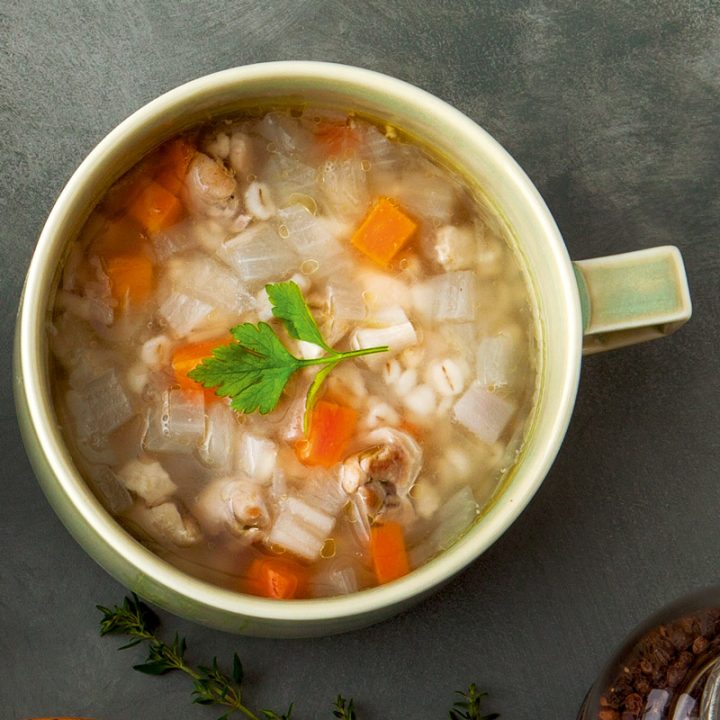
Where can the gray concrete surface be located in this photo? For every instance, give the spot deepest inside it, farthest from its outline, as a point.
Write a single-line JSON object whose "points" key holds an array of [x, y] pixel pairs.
{"points": [[613, 108]]}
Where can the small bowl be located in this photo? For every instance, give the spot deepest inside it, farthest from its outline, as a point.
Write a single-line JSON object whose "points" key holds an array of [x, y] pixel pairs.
{"points": [[465, 146]]}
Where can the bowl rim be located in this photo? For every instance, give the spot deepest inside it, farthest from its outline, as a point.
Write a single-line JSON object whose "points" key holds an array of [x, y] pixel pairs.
{"points": [[30, 372]]}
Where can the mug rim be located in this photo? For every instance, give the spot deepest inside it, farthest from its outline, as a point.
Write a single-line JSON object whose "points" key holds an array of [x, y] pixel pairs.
{"points": [[32, 382]]}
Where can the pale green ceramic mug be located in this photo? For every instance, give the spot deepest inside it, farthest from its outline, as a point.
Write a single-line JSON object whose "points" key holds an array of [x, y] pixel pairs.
{"points": [[592, 305]]}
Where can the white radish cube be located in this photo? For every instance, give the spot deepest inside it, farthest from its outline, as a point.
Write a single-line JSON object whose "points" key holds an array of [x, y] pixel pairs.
{"points": [[111, 491], [496, 362], [206, 279], [455, 295], [455, 247], [101, 407], [396, 337], [177, 423], [183, 313], [291, 533], [257, 457], [309, 235], [483, 412], [259, 255], [320, 523], [217, 446], [345, 302]]}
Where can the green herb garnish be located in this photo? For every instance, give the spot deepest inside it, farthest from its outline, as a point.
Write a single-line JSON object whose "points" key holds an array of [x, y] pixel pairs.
{"points": [[254, 370], [344, 709], [469, 707], [211, 686]]}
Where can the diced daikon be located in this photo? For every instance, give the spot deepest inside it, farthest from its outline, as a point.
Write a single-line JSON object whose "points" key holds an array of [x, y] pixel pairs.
{"points": [[259, 255], [483, 412], [101, 407], [183, 313], [496, 361], [257, 457], [176, 424], [217, 446]]}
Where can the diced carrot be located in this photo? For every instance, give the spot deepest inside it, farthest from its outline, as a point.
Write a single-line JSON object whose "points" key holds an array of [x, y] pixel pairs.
{"points": [[276, 578], [155, 208], [387, 548], [331, 429], [385, 229], [174, 159], [188, 357], [120, 236], [126, 190], [131, 277], [335, 138]]}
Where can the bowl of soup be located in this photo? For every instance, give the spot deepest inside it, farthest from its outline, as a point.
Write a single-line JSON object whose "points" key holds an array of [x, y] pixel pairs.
{"points": [[298, 343]]}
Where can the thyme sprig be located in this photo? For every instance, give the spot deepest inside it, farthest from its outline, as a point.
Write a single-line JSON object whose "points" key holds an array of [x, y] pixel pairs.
{"points": [[212, 686], [344, 709], [469, 707]]}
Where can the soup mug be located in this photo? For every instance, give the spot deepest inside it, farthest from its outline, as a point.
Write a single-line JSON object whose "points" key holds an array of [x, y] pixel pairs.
{"points": [[582, 307]]}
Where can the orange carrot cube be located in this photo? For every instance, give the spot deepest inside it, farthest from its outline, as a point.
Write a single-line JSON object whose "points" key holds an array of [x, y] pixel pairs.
{"points": [[188, 357], [155, 208], [387, 548], [277, 578], [331, 429], [173, 163], [383, 232], [131, 277]]}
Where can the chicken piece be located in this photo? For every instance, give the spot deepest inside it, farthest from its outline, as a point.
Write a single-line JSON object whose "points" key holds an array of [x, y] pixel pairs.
{"points": [[148, 480], [212, 191], [383, 474], [165, 523], [237, 506]]}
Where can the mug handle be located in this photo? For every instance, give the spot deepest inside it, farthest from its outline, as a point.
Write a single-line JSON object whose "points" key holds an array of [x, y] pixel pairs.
{"points": [[633, 297]]}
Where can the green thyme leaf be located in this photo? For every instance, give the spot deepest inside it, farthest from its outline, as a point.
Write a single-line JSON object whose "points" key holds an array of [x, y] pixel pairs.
{"points": [[469, 708], [238, 672], [211, 686], [344, 709], [289, 306]]}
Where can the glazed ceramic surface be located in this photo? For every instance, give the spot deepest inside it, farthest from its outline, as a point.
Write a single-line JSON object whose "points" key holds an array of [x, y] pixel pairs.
{"points": [[612, 311]]}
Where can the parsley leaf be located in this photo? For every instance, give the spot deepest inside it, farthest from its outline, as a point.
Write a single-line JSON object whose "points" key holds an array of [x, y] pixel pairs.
{"points": [[254, 370], [289, 306]]}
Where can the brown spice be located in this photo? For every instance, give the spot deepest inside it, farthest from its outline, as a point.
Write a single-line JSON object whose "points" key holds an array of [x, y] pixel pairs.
{"points": [[675, 675], [662, 659], [634, 703]]}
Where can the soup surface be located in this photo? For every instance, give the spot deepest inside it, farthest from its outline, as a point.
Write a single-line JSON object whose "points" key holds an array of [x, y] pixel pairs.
{"points": [[385, 248]]}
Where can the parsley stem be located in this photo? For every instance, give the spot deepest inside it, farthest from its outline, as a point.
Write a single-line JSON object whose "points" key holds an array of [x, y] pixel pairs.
{"points": [[342, 356]]}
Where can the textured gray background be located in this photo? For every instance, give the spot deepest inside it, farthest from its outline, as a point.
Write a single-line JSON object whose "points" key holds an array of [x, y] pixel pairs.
{"points": [[613, 108]]}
